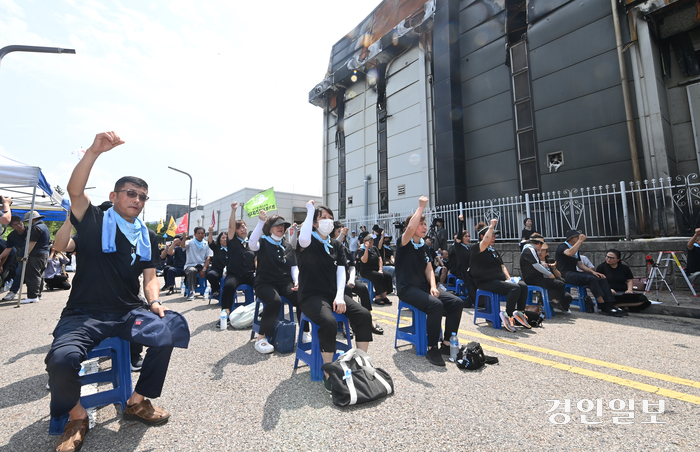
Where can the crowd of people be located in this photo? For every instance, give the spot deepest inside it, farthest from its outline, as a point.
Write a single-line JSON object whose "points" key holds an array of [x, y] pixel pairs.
{"points": [[316, 266]]}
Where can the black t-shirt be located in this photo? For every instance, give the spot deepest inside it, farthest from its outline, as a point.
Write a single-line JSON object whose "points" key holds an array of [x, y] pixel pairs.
{"points": [[527, 233], [372, 263], [17, 241], [220, 259], [566, 263], [410, 266], [527, 260], [107, 281], [386, 253], [486, 265], [179, 257], [317, 269], [274, 263], [616, 277], [241, 259], [42, 237], [693, 259]]}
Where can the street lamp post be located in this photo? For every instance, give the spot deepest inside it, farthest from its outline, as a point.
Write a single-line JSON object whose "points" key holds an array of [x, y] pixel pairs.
{"points": [[7, 49], [189, 198]]}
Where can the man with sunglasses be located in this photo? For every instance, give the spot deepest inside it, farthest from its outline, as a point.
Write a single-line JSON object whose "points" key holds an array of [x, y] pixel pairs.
{"points": [[115, 249]]}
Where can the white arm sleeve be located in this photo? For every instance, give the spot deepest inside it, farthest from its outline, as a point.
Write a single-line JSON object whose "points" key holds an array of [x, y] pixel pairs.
{"points": [[340, 281], [255, 237], [295, 275], [540, 268], [308, 226], [353, 274]]}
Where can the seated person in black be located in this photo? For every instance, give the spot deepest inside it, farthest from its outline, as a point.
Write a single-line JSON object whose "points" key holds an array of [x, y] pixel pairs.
{"points": [[415, 281], [218, 261], [620, 278], [693, 268], [387, 255], [240, 268], [491, 275], [177, 268], [277, 274], [370, 264], [322, 284], [568, 260], [115, 249], [352, 287], [460, 258], [538, 273]]}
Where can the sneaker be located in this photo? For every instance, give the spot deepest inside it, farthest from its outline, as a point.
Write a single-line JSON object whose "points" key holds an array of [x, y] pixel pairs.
{"points": [[507, 322], [326, 383], [444, 349], [10, 296], [435, 357], [29, 300], [306, 337], [190, 298], [145, 412], [263, 347], [137, 364], [521, 318], [441, 287]]}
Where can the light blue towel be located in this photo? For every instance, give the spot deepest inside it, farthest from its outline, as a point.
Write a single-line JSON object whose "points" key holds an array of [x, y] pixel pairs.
{"points": [[136, 233]]}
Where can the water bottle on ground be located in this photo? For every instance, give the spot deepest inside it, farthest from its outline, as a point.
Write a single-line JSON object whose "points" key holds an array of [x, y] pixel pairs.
{"points": [[207, 294], [222, 320], [454, 347], [182, 287]]}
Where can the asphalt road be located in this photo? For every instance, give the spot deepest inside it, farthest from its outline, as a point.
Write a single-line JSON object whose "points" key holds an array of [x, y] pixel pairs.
{"points": [[225, 396]]}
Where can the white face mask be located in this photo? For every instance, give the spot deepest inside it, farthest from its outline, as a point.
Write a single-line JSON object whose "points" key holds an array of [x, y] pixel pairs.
{"points": [[325, 227], [276, 238]]}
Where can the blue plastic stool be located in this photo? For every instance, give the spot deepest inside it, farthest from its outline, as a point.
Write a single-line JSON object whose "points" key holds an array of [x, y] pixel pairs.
{"points": [[461, 290], [416, 333], [581, 291], [491, 311], [249, 296], [452, 282], [548, 313], [258, 312], [310, 352], [119, 375], [370, 287], [200, 289]]}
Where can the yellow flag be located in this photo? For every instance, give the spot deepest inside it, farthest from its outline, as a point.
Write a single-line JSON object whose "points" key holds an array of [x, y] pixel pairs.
{"points": [[171, 227], [160, 226]]}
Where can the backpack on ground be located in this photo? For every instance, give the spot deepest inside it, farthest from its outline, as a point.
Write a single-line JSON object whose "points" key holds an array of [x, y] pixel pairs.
{"points": [[471, 357]]}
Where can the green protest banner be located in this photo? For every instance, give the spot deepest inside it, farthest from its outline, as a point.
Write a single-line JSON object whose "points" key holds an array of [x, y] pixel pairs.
{"points": [[262, 201]]}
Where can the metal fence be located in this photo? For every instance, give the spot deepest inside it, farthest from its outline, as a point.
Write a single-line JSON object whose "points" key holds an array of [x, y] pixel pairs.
{"points": [[652, 208]]}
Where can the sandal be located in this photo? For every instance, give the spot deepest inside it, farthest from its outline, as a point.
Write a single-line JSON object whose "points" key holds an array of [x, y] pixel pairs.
{"points": [[379, 301], [387, 301], [376, 329]]}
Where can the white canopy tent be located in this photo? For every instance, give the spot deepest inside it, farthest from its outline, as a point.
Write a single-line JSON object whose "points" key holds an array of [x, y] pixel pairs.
{"points": [[17, 179]]}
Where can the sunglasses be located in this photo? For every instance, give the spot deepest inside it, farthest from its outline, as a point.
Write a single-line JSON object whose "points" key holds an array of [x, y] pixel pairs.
{"points": [[133, 194], [611, 257]]}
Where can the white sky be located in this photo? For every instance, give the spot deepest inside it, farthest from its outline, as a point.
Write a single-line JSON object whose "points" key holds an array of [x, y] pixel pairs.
{"points": [[216, 88]]}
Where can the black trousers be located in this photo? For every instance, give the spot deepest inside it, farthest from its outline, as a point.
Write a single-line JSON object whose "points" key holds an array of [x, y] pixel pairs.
{"points": [[272, 295], [516, 293], [34, 275], [229, 289], [320, 311], [361, 290], [58, 282], [446, 304], [381, 281], [79, 331], [599, 286], [214, 278], [636, 302], [555, 288]]}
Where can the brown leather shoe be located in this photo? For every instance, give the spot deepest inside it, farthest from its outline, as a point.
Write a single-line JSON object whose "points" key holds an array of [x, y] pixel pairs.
{"points": [[145, 412], [73, 435]]}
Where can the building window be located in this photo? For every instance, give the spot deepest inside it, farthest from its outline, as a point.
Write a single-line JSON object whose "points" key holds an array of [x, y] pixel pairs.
{"points": [[382, 163], [340, 145]]}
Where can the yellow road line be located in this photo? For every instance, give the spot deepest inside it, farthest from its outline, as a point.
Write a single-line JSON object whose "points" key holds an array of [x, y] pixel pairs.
{"points": [[596, 362]]}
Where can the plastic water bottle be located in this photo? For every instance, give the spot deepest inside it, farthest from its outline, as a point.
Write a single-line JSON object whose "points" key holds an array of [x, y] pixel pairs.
{"points": [[454, 347], [222, 320], [207, 294], [182, 287]]}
